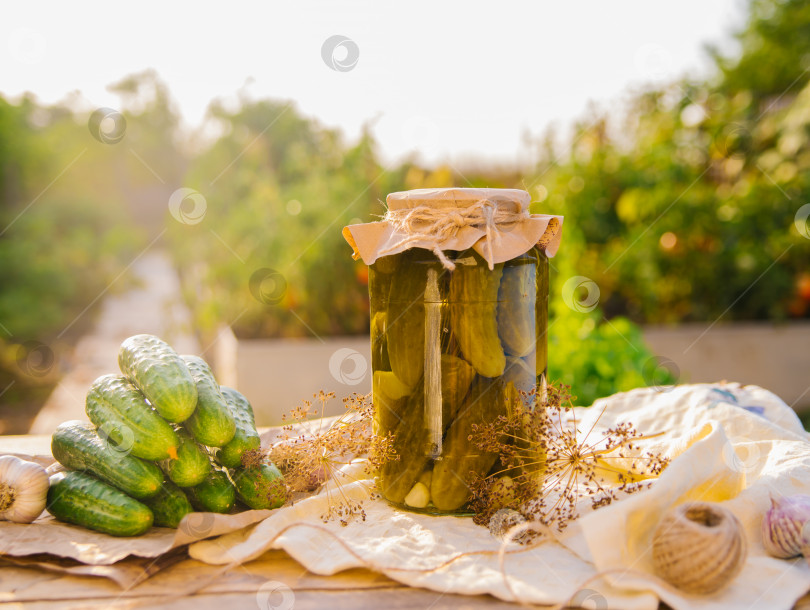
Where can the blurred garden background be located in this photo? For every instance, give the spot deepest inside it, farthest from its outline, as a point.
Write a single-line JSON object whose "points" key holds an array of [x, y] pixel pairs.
{"points": [[688, 204]]}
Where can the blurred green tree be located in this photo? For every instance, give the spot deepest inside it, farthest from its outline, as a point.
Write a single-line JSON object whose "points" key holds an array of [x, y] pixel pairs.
{"points": [[690, 213], [279, 188], [775, 52], [64, 235]]}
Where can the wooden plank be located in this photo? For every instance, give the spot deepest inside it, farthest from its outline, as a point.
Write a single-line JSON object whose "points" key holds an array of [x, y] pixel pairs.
{"points": [[253, 585], [31, 444], [30, 585]]}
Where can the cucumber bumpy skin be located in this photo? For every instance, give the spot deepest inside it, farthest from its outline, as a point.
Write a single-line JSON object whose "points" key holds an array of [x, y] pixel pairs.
{"points": [[121, 412], [517, 296], [211, 423], [192, 464], [81, 499], [488, 400], [405, 318], [246, 437], [76, 446], [169, 506], [457, 377], [214, 495], [473, 304], [260, 487], [388, 397], [158, 371], [397, 477], [380, 274]]}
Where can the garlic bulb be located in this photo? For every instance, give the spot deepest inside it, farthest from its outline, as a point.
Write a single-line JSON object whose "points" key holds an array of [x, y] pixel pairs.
{"points": [[783, 525], [23, 489], [699, 547]]}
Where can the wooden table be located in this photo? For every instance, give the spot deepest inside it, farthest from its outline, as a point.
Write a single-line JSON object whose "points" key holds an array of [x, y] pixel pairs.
{"points": [[251, 585]]}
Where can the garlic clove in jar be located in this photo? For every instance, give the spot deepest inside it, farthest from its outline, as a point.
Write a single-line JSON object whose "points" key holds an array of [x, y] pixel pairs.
{"points": [[699, 547], [23, 489], [418, 497], [783, 525]]}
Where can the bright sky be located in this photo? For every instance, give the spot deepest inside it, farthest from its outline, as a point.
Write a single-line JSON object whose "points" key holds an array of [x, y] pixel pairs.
{"points": [[447, 79]]}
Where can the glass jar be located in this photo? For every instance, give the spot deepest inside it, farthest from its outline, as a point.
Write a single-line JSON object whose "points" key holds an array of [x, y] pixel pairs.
{"points": [[451, 349]]}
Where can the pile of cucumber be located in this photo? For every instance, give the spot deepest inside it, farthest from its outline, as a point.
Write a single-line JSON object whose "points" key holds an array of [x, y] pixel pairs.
{"points": [[166, 439]]}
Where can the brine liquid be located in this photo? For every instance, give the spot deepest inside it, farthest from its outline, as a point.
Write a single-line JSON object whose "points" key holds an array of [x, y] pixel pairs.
{"points": [[451, 349]]}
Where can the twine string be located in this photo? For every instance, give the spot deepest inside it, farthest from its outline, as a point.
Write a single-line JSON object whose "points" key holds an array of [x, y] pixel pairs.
{"points": [[432, 227], [547, 535]]}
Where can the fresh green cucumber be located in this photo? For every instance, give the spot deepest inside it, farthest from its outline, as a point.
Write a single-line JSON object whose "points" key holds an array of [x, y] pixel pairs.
{"points": [[79, 498], [260, 486], [246, 438], [192, 464], [211, 423], [169, 506], [121, 413], [214, 495], [76, 446], [162, 376]]}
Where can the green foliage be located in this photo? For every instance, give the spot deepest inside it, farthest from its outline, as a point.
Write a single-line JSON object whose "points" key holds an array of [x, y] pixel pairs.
{"points": [[697, 221], [599, 357], [53, 261], [595, 356], [775, 51], [279, 189], [64, 237]]}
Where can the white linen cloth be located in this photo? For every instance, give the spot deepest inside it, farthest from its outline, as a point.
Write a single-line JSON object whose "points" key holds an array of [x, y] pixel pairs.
{"points": [[733, 444]]}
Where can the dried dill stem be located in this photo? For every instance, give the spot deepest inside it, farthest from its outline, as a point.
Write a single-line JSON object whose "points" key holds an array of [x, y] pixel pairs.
{"points": [[311, 452], [546, 466]]}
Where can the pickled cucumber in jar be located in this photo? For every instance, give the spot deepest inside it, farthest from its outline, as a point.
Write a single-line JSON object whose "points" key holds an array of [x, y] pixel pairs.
{"points": [[480, 333], [458, 288]]}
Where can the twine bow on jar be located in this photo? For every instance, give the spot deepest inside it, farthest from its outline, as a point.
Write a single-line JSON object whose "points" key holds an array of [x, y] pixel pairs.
{"points": [[432, 227], [495, 222]]}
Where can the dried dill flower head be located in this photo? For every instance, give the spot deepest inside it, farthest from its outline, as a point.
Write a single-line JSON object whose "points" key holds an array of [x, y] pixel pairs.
{"points": [[252, 457], [312, 451], [546, 465]]}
